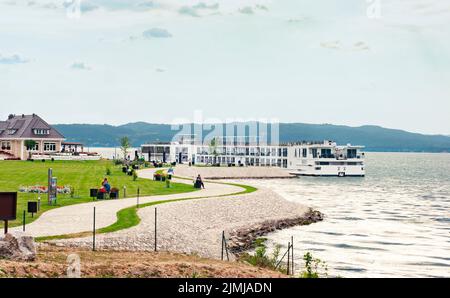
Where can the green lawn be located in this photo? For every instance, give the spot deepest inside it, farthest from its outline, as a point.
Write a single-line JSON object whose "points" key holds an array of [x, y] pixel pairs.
{"points": [[81, 175]]}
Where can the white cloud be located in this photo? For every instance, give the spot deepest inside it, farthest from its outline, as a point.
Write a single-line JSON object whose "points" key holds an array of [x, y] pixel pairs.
{"points": [[80, 66], [246, 10], [188, 10], [156, 33], [14, 59]]}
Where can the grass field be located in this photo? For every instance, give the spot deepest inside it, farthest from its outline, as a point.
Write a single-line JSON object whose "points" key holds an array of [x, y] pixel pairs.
{"points": [[81, 175]]}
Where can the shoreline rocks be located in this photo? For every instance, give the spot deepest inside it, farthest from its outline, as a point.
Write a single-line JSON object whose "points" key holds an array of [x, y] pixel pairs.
{"points": [[243, 239], [17, 247]]}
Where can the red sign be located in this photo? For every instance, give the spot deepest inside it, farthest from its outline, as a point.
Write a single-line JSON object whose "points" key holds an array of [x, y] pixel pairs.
{"points": [[8, 205]]}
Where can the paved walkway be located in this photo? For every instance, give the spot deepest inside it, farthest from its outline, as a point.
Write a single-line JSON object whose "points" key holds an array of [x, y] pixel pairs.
{"points": [[195, 226], [79, 218]]}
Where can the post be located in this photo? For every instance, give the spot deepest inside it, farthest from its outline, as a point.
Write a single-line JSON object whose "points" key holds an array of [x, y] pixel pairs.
{"points": [[223, 233], [137, 203], [292, 248], [49, 179], [156, 238], [289, 256], [225, 245], [124, 191], [24, 214], [93, 234], [6, 227]]}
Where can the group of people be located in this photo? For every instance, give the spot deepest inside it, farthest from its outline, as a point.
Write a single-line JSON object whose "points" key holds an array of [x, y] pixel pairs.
{"points": [[106, 187]]}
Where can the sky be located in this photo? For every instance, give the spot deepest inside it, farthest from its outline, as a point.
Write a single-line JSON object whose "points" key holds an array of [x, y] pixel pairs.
{"points": [[353, 62]]}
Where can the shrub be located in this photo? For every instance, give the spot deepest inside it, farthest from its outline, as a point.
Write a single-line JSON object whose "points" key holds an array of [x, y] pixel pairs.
{"points": [[312, 266], [108, 171], [135, 176], [261, 259]]}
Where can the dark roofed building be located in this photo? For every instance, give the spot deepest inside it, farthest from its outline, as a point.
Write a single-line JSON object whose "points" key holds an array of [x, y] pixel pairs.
{"points": [[19, 128]]}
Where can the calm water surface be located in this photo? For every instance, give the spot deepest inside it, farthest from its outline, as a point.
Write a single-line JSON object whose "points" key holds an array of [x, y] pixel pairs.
{"points": [[395, 222]]}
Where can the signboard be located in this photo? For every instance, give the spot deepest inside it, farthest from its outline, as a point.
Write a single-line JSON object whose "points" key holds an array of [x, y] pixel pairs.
{"points": [[32, 207], [93, 192], [8, 205]]}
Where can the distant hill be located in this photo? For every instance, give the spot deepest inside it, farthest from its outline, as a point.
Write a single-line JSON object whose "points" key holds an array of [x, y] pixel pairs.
{"points": [[375, 138]]}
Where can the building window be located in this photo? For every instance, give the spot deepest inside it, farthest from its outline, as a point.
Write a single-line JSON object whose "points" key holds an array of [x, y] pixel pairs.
{"points": [[305, 152], [41, 131], [6, 146], [11, 131], [49, 147]]}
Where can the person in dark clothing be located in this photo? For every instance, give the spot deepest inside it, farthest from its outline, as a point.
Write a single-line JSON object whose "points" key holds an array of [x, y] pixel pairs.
{"points": [[199, 182]]}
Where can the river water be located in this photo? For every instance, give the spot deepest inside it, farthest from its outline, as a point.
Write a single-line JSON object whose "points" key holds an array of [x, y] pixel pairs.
{"points": [[395, 222]]}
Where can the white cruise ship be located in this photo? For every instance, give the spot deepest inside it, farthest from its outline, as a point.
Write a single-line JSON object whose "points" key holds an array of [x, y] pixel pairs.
{"points": [[328, 159], [324, 158]]}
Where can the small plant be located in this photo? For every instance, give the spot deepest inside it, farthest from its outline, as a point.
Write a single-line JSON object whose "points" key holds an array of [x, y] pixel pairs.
{"points": [[312, 266], [108, 171], [135, 176], [117, 162], [261, 259], [72, 192]]}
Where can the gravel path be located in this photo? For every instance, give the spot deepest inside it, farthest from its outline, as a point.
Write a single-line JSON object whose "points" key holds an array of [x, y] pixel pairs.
{"points": [[196, 226], [78, 218]]}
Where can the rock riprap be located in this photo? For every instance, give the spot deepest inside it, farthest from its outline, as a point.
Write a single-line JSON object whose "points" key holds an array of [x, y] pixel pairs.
{"points": [[17, 247]]}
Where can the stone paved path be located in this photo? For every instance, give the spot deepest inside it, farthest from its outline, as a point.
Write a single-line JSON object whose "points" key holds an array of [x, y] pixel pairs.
{"points": [[79, 218]]}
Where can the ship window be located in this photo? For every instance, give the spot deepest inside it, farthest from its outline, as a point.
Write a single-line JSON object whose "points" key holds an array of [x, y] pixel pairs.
{"points": [[305, 152], [318, 168], [351, 153]]}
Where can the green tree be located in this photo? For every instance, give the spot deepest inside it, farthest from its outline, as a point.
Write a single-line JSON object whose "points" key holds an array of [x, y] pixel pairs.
{"points": [[29, 144], [124, 146]]}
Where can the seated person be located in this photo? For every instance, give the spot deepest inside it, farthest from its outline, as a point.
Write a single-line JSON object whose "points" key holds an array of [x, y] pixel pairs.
{"points": [[107, 187], [199, 182]]}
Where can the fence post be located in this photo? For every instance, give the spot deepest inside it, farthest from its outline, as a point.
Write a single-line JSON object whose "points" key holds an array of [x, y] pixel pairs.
{"points": [[223, 236], [224, 245], [93, 234], [24, 214], [289, 256], [156, 237], [292, 247]]}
